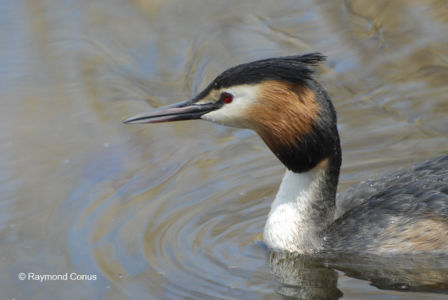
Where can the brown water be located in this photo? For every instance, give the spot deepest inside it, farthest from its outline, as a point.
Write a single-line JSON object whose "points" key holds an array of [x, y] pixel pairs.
{"points": [[176, 210]]}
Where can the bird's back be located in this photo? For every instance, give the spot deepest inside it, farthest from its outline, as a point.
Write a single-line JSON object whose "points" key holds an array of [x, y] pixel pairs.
{"points": [[404, 210]]}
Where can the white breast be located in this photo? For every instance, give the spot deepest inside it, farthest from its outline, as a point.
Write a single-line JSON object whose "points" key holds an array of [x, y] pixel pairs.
{"points": [[289, 226]]}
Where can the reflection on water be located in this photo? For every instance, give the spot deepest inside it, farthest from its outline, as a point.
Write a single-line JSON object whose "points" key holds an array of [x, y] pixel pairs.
{"points": [[315, 278], [304, 277], [406, 273], [176, 211]]}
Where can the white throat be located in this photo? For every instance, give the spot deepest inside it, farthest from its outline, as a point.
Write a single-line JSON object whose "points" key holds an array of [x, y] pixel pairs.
{"points": [[293, 222]]}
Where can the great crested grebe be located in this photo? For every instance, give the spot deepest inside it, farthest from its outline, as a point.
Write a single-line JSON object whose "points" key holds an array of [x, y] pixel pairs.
{"points": [[280, 100]]}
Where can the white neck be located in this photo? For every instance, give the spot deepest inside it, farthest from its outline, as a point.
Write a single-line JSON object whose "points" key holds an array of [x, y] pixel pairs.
{"points": [[299, 212]]}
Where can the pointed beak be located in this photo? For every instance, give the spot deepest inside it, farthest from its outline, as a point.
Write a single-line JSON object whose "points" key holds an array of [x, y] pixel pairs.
{"points": [[187, 110]]}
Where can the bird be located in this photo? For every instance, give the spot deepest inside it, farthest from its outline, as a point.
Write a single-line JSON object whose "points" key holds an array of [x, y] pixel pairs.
{"points": [[281, 100]]}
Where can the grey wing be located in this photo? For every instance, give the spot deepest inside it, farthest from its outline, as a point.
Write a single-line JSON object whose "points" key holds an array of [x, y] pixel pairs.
{"points": [[420, 178], [393, 211]]}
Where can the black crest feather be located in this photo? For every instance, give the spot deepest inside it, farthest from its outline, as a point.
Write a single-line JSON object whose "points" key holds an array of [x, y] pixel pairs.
{"points": [[295, 69], [288, 68]]}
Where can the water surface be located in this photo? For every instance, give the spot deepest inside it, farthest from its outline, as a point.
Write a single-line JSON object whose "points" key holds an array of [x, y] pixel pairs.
{"points": [[177, 210]]}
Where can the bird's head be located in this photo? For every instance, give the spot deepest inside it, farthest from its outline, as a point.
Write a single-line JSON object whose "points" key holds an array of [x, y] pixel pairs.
{"points": [[276, 97]]}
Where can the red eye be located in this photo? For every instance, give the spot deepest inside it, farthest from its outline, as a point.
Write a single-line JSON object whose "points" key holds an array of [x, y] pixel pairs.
{"points": [[226, 97]]}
